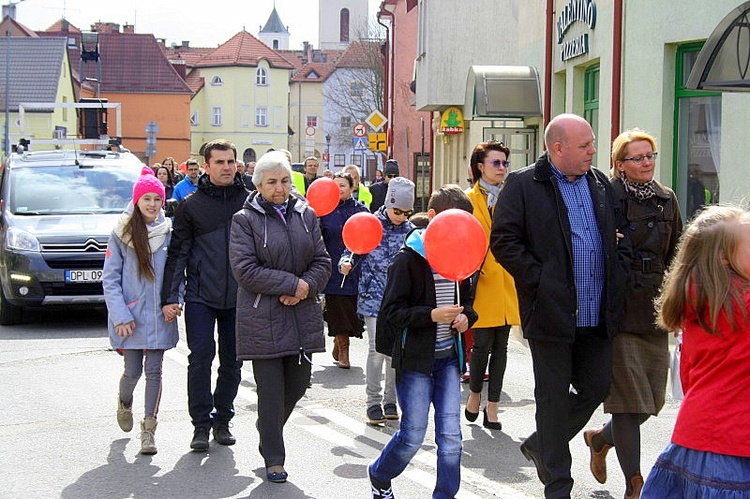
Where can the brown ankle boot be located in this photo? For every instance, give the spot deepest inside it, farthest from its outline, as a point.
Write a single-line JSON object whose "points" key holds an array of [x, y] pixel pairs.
{"points": [[343, 342], [335, 351], [597, 459], [635, 484]]}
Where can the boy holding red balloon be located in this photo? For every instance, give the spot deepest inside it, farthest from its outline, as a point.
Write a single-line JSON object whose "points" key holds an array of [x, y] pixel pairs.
{"points": [[418, 325]]}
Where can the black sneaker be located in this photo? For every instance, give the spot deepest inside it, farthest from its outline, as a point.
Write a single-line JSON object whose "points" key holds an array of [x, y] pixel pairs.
{"points": [[223, 435], [380, 490], [391, 412], [200, 440], [375, 415]]}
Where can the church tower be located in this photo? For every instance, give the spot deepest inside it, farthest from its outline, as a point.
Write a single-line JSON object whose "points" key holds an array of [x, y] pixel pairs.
{"points": [[274, 34], [340, 22]]}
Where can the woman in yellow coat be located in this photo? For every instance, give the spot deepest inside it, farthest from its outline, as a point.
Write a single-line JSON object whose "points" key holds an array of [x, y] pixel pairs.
{"points": [[496, 301]]}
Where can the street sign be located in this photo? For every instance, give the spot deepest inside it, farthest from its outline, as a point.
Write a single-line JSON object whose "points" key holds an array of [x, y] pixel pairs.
{"points": [[359, 143], [310, 131], [360, 130], [377, 141], [376, 120]]}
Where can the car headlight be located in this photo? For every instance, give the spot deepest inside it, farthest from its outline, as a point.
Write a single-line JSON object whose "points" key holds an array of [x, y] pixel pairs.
{"points": [[18, 239]]}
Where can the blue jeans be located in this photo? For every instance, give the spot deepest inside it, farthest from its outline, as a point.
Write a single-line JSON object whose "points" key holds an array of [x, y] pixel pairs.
{"points": [[415, 392], [200, 320]]}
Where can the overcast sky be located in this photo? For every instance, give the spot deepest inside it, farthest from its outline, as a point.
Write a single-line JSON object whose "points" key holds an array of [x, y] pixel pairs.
{"points": [[206, 23]]}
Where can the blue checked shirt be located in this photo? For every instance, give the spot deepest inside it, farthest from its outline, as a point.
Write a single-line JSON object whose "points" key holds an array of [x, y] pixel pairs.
{"points": [[588, 253]]}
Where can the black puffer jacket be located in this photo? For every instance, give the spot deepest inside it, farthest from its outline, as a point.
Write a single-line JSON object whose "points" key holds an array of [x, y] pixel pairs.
{"points": [[200, 243], [268, 258]]}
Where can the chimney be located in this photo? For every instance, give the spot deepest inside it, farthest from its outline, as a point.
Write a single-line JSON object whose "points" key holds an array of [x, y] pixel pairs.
{"points": [[128, 28], [180, 66], [304, 52], [185, 44]]}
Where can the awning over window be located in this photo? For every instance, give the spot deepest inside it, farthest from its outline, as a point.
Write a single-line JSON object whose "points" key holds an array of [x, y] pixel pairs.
{"points": [[502, 92], [724, 62]]}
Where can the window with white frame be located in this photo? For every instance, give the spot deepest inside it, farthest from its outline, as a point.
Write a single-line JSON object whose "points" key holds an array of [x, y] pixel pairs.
{"points": [[216, 116], [312, 121], [261, 116], [216, 81], [357, 160], [194, 119], [261, 77]]}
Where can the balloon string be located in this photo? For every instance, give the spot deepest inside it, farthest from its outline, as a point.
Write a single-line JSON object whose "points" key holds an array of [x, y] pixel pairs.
{"points": [[458, 293]]}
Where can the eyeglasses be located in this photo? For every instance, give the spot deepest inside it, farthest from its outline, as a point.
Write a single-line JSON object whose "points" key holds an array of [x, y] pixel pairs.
{"points": [[498, 163], [408, 213], [639, 159], [392, 175]]}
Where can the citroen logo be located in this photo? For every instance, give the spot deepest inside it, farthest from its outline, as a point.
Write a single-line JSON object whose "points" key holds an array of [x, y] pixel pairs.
{"points": [[91, 245]]}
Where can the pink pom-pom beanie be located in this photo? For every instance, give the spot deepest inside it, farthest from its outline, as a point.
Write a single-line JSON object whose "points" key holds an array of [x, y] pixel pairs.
{"points": [[146, 183]]}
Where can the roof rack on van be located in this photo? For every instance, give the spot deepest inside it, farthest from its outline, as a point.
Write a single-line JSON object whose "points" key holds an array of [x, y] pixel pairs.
{"points": [[111, 143]]}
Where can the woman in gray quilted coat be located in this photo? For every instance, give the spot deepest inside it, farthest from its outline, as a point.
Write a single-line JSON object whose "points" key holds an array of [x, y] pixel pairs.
{"points": [[281, 265]]}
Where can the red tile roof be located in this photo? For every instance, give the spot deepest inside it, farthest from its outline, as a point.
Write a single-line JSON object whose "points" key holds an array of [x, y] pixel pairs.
{"points": [[243, 49], [360, 55], [63, 26], [195, 81], [322, 69], [135, 63], [190, 55]]}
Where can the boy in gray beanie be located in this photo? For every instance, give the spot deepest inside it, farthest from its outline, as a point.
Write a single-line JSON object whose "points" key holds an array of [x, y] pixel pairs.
{"points": [[394, 216]]}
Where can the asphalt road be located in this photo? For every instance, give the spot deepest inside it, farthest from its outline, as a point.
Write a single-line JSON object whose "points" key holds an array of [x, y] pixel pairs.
{"points": [[59, 436]]}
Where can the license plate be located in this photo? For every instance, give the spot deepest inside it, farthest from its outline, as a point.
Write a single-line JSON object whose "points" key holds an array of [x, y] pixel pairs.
{"points": [[83, 276]]}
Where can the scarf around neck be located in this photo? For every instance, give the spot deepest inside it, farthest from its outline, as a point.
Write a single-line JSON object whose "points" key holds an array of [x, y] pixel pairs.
{"points": [[157, 231], [638, 191], [492, 192]]}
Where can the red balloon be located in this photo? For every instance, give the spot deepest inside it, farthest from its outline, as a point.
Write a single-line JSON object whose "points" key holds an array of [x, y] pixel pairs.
{"points": [[362, 233], [323, 196], [455, 244]]}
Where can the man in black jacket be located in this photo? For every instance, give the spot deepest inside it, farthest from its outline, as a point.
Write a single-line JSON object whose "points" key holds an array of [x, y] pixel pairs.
{"points": [[200, 245], [555, 229], [379, 191]]}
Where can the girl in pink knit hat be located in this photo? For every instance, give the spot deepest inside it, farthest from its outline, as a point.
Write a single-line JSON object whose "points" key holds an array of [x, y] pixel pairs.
{"points": [[132, 278]]}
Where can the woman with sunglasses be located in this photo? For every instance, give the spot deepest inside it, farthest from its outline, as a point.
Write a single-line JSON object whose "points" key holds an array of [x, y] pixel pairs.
{"points": [[495, 301], [640, 351]]}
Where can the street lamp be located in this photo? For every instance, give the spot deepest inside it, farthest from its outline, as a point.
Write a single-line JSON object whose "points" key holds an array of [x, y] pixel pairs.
{"points": [[328, 151], [9, 13]]}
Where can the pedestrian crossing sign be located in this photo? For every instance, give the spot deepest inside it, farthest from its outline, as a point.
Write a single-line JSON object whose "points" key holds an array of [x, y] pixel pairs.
{"points": [[360, 143]]}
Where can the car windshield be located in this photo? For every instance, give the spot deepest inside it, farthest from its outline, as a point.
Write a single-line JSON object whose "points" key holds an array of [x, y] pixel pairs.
{"points": [[66, 190]]}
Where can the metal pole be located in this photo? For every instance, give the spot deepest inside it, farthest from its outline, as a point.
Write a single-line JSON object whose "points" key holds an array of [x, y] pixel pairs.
{"points": [[6, 135]]}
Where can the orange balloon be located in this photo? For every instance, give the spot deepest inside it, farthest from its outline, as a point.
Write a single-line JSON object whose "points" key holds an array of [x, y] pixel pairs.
{"points": [[323, 196], [362, 233], [455, 244]]}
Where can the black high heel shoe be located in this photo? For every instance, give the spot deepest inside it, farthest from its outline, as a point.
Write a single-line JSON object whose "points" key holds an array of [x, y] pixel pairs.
{"points": [[472, 416], [492, 425]]}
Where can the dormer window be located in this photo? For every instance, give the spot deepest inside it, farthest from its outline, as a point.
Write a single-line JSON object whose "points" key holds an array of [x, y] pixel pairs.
{"points": [[216, 81], [261, 77], [312, 75]]}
